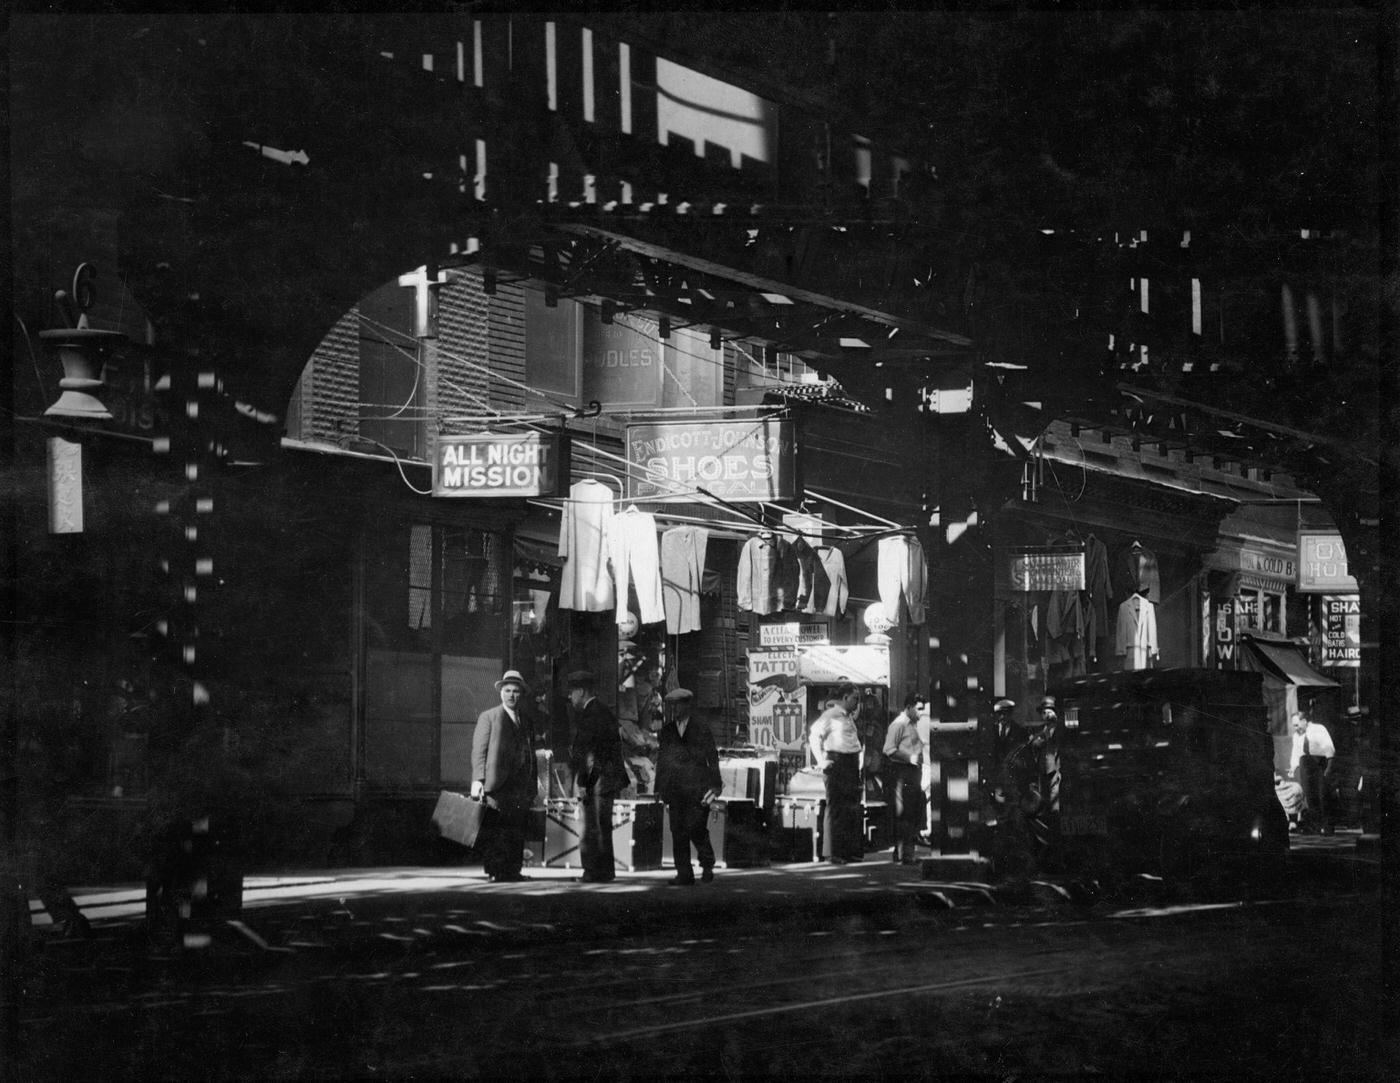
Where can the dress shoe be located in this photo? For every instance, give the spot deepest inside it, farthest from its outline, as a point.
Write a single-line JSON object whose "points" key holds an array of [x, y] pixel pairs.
{"points": [[682, 881], [508, 877], [707, 875], [837, 861], [595, 878]]}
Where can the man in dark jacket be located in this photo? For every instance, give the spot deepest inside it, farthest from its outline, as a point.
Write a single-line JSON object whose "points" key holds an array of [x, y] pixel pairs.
{"points": [[688, 780], [503, 776], [595, 756]]}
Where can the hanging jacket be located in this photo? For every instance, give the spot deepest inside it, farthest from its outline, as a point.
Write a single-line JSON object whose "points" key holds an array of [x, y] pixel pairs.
{"points": [[586, 583]]}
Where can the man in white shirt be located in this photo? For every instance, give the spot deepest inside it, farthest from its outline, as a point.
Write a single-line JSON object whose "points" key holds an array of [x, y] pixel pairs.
{"points": [[1313, 752], [835, 744], [904, 757]]}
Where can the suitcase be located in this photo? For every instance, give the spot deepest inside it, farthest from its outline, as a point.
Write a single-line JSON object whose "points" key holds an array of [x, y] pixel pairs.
{"points": [[563, 830], [636, 834], [753, 779], [798, 828], [735, 835], [457, 817]]}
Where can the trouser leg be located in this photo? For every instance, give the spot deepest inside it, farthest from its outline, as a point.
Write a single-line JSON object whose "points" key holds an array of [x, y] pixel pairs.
{"points": [[595, 847], [680, 839]]}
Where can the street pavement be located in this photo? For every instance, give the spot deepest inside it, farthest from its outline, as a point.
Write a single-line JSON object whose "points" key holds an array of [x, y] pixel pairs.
{"points": [[292, 910]]}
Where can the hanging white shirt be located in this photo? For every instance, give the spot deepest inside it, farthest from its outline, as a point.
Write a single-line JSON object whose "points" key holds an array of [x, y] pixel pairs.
{"points": [[586, 583]]}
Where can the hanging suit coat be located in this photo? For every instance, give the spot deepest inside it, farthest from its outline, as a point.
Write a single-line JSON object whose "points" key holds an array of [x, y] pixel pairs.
{"points": [[1137, 632], [1098, 588], [503, 756], [682, 574], [1136, 570], [813, 582], [768, 575]]}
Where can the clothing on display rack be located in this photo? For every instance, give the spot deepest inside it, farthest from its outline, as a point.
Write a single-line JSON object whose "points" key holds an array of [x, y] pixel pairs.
{"points": [[833, 563], [636, 561], [768, 575], [1097, 590], [813, 583], [682, 572], [1135, 571], [1064, 631], [903, 573], [1137, 632], [586, 583]]}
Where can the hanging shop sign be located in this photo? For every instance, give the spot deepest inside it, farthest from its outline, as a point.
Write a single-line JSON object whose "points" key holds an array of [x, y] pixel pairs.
{"points": [[1322, 564], [1341, 630], [793, 634], [859, 664], [733, 460], [500, 465], [771, 666], [1047, 569]]}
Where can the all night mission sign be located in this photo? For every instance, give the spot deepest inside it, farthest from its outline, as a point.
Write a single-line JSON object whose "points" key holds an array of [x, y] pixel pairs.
{"points": [[499, 465]]}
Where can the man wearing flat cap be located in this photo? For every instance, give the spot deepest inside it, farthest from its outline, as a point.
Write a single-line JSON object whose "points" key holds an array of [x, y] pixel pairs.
{"points": [[595, 755], [688, 779], [1031, 773], [503, 776]]}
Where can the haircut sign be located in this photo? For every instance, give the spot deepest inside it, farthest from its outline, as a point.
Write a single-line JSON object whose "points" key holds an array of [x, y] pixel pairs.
{"points": [[734, 460], [1341, 630]]}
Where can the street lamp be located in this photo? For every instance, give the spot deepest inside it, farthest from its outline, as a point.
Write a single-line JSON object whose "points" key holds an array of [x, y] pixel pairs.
{"points": [[82, 351]]}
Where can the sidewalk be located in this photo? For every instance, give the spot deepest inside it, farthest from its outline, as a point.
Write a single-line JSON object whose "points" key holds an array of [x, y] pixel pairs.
{"points": [[278, 908]]}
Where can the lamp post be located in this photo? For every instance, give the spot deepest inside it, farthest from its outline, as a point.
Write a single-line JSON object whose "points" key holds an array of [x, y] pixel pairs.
{"points": [[82, 350]]}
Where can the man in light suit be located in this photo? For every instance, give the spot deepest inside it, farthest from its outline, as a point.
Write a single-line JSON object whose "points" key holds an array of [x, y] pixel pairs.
{"points": [[503, 776]]}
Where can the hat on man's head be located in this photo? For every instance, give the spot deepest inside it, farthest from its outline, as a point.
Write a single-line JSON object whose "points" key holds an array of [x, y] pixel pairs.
{"points": [[581, 678], [679, 695], [1004, 705], [1046, 702], [512, 676]]}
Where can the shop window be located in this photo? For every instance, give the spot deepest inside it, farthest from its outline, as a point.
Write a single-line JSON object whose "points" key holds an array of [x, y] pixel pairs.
{"points": [[435, 622], [391, 372]]}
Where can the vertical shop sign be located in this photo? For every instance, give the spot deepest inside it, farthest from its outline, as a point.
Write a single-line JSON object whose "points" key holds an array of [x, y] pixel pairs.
{"points": [[1341, 630], [1225, 643]]}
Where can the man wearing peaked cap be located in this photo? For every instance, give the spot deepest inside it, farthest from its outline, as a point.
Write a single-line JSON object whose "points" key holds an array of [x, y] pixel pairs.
{"points": [[688, 779], [595, 756], [503, 776]]}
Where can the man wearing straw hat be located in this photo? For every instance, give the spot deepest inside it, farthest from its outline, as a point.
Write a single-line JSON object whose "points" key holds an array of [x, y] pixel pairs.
{"points": [[503, 776]]}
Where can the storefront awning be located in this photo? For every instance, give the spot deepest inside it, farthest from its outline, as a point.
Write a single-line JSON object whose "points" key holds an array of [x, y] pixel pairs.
{"points": [[1287, 662]]}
